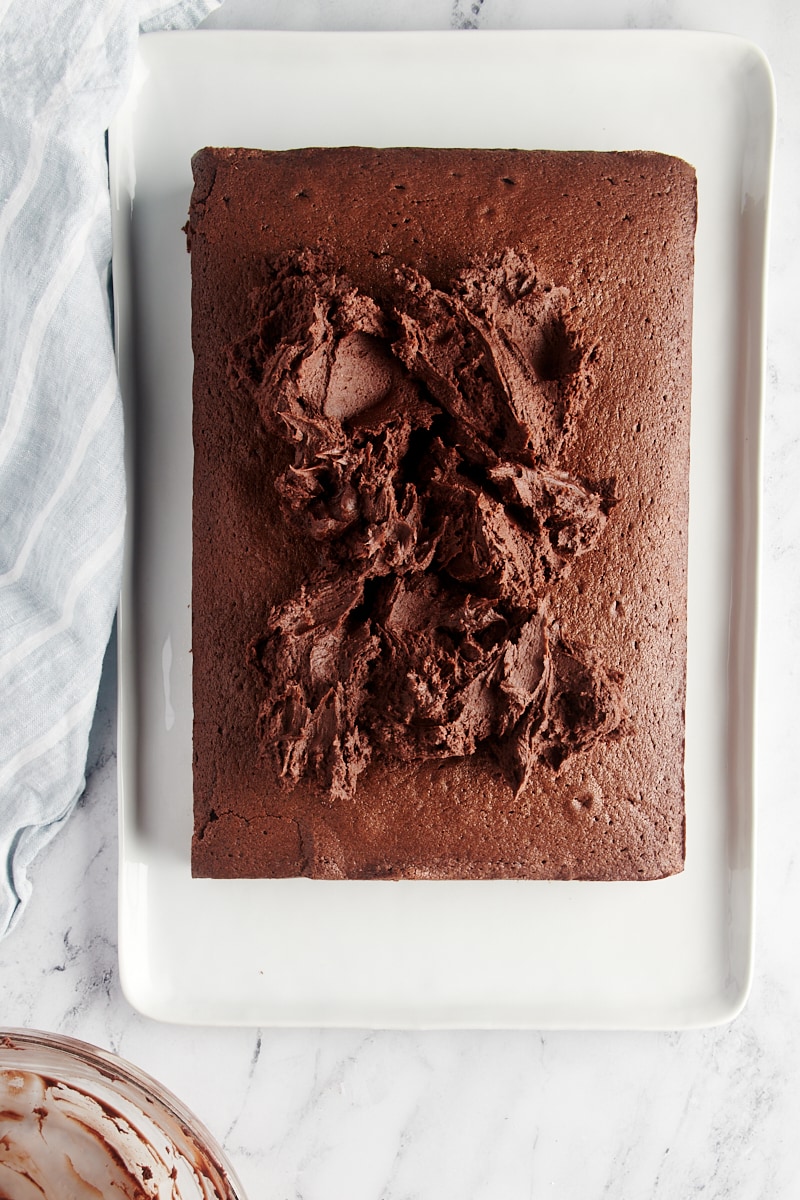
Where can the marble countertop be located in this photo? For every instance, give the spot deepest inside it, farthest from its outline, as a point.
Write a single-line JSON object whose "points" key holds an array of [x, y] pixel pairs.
{"points": [[318, 1115]]}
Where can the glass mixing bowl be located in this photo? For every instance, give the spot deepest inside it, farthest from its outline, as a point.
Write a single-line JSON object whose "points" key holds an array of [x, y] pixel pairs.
{"points": [[76, 1121]]}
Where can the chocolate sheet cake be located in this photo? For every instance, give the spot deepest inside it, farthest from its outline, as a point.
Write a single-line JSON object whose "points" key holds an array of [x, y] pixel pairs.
{"points": [[441, 432]]}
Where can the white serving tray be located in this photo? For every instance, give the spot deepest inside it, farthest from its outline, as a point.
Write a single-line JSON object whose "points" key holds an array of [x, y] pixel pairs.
{"points": [[669, 954]]}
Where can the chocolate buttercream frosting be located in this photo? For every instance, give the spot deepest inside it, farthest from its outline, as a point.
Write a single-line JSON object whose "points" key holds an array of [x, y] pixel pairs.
{"points": [[425, 429]]}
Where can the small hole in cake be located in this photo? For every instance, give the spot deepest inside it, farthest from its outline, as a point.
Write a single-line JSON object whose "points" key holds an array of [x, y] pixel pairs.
{"points": [[586, 804], [399, 187], [508, 180]]}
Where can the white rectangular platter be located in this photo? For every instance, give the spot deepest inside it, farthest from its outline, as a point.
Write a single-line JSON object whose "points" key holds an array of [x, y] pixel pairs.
{"points": [[674, 953]]}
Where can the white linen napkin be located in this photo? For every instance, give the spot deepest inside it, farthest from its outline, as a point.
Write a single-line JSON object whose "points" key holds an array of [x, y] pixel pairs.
{"points": [[64, 68]]}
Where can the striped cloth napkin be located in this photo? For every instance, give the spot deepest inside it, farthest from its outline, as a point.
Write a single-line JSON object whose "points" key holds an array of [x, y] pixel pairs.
{"points": [[64, 68]]}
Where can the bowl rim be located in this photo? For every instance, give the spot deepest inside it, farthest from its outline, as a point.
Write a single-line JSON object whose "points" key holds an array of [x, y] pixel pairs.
{"points": [[113, 1068]]}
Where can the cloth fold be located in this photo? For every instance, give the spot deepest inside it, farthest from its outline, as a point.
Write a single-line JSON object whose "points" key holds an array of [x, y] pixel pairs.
{"points": [[65, 69]]}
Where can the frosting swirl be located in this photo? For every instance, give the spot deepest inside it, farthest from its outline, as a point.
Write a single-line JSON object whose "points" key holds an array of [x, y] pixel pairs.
{"points": [[426, 431]]}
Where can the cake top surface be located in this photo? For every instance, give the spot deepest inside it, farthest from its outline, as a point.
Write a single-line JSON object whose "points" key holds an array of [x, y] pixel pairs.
{"points": [[441, 501]]}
